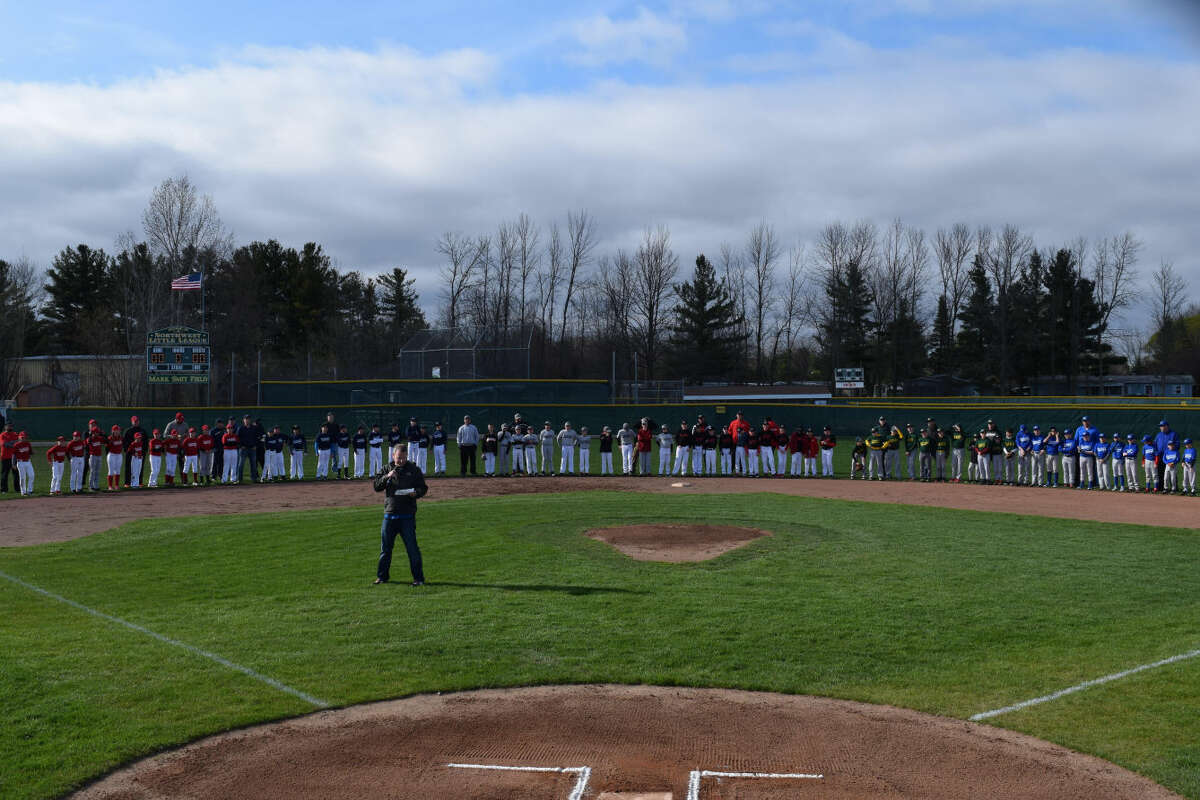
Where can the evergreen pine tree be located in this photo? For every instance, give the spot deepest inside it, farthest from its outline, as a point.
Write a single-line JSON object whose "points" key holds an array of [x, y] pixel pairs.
{"points": [[706, 336], [977, 332], [941, 340], [79, 312]]}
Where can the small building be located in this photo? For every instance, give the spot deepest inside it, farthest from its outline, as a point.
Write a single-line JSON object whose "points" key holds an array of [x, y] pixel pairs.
{"points": [[39, 394], [1115, 386], [90, 380]]}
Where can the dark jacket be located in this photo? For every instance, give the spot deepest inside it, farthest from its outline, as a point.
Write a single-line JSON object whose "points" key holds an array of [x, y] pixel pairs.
{"points": [[247, 435], [405, 477]]}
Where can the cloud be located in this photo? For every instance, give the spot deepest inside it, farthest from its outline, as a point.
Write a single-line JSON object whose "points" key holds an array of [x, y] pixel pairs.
{"points": [[646, 37], [375, 154]]}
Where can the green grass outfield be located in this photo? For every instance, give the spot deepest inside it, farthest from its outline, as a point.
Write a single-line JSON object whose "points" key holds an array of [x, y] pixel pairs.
{"points": [[943, 611]]}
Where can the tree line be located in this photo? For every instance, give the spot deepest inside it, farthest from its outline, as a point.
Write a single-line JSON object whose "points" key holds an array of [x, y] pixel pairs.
{"points": [[986, 305]]}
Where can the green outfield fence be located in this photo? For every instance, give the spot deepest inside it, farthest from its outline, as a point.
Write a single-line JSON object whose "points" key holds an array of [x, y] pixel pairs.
{"points": [[433, 390], [44, 424]]}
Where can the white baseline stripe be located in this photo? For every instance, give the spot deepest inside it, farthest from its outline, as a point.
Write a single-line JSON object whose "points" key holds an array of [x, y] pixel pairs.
{"points": [[584, 773], [1085, 685], [693, 792], [224, 662]]}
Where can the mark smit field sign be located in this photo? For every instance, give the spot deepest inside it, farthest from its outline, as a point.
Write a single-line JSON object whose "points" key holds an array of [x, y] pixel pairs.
{"points": [[177, 355]]}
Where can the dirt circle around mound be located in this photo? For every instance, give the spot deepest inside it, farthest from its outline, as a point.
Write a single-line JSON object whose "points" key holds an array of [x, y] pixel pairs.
{"points": [[675, 542], [600, 742]]}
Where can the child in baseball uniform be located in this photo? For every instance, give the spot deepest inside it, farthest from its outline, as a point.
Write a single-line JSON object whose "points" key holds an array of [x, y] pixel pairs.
{"points": [[725, 444], [1008, 444], [517, 445], [983, 458], [56, 456], [1087, 462], [752, 452], [683, 448], [795, 447], [1188, 457], [941, 450], [531, 447], [585, 451], [116, 446], [1024, 457], [424, 447], [699, 434], [546, 438], [1037, 457], [875, 445], [743, 451], [606, 455], [1067, 451], [782, 441], [375, 450], [438, 440], [489, 445], [709, 445], [926, 449], [206, 444], [1149, 461], [1103, 450], [22, 456], [1052, 443], [1170, 458], [341, 440], [77, 454], [568, 440], [766, 448], [229, 447], [858, 459], [359, 443], [665, 441], [958, 449], [137, 454], [156, 457], [171, 450], [828, 444], [324, 445], [190, 449], [1130, 453], [297, 444], [1118, 463]]}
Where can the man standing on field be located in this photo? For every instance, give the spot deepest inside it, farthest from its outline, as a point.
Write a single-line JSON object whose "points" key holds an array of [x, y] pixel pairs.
{"points": [[403, 484]]}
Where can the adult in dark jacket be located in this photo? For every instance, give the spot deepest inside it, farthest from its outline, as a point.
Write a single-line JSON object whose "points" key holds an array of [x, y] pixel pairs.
{"points": [[403, 484], [247, 434], [1165, 436], [130, 434], [260, 449]]}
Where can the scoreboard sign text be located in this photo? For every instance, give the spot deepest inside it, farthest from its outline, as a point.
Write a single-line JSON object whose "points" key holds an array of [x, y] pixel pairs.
{"points": [[177, 355]]}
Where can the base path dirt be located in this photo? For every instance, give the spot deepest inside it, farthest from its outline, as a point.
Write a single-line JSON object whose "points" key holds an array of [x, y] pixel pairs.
{"points": [[675, 543], [583, 742], [35, 520]]}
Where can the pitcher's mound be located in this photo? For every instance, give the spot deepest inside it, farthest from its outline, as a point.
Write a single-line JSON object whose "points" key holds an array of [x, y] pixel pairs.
{"points": [[588, 742], [675, 542]]}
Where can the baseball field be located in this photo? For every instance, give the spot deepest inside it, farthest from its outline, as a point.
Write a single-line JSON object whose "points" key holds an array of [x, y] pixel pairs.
{"points": [[693, 641]]}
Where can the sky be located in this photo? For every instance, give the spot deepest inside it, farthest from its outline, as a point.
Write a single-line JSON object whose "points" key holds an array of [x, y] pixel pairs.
{"points": [[374, 127]]}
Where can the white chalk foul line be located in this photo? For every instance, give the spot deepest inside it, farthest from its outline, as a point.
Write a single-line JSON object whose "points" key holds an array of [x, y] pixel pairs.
{"points": [[584, 773], [1085, 685], [697, 774], [174, 642]]}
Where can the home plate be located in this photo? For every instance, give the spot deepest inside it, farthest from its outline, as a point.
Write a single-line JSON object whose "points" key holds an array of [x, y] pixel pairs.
{"points": [[677, 486], [635, 796]]}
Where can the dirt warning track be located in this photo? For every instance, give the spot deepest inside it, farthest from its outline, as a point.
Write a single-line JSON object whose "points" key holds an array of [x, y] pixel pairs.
{"points": [[57, 519], [590, 742]]}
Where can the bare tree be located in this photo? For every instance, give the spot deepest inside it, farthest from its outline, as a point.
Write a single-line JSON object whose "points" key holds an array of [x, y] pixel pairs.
{"points": [[733, 269], [953, 249], [616, 284], [1114, 273], [506, 267], [461, 253], [581, 240], [528, 256], [656, 265], [549, 282], [762, 251], [178, 219], [21, 293], [1169, 296], [798, 308], [1004, 261]]}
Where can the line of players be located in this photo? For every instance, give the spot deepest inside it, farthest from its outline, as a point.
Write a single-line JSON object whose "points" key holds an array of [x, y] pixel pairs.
{"points": [[1088, 458]]}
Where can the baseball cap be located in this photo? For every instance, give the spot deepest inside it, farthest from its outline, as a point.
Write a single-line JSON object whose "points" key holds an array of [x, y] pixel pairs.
{"points": [[1146, 438], [61, 438], [191, 430], [179, 415], [136, 435], [1162, 422], [76, 433], [204, 427], [1084, 418], [155, 431], [22, 433], [1185, 441], [116, 427]]}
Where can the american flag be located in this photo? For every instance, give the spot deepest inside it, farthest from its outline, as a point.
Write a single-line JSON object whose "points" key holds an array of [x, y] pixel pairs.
{"points": [[189, 281]]}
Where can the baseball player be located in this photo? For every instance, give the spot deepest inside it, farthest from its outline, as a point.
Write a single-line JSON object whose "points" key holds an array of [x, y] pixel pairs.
{"points": [[568, 440], [22, 458], [229, 454], [983, 460], [489, 445], [941, 450], [725, 443], [742, 438], [626, 438], [156, 457], [699, 434], [683, 447], [1024, 457], [503, 444], [1149, 461], [130, 433], [517, 445], [1009, 446], [795, 448], [414, 439], [8, 438], [666, 440], [297, 444], [858, 459], [375, 450], [606, 443], [137, 455], [585, 451], [323, 444], [546, 438], [189, 447], [278, 443], [438, 440], [912, 451], [827, 443], [56, 457], [358, 442], [114, 448], [766, 447], [643, 446], [875, 445], [709, 446], [958, 449], [394, 436], [97, 445], [77, 453], [781, 440], [206, 443], [1037, 457], [1170, 458], [1103, 449], [1067, 453], [1052, 444], [1129, 454], [530, 440], [1086, 449], [341, 440], [1188, 458], [179, 427], [171, 451]]}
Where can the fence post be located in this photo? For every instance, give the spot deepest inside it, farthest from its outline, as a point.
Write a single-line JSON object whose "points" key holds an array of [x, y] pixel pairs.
{"points": [[260, 378]]}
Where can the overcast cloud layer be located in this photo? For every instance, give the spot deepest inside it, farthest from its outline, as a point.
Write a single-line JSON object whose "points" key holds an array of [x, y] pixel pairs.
{"points": [[374, 152]]}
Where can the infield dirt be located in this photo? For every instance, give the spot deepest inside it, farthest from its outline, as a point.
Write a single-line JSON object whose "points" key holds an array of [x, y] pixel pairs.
{"points": [[632, 740], [36, 520]]}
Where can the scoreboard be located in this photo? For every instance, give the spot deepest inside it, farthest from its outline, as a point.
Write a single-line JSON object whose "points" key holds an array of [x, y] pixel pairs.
{"points": [[177, 355]]}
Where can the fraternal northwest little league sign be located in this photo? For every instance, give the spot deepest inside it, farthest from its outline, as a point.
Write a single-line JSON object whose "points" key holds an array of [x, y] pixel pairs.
{"points": [[177, 355]]}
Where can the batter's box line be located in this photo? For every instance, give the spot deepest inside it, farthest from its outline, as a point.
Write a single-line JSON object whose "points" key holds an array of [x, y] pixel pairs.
{"points": [[584, 773], [696, 774]]}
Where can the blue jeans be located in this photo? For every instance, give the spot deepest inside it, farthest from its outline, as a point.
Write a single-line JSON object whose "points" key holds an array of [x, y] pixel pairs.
{"points": [[406, 526], [247, 454]]}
